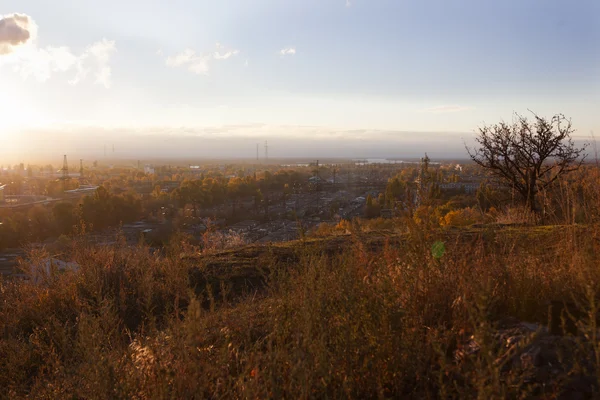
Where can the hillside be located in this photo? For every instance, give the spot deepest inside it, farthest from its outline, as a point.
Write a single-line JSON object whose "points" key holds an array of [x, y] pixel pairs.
{"points": [[364, 315]]}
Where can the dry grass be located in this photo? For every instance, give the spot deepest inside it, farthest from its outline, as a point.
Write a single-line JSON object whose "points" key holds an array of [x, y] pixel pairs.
{"points": [[358, 316]]}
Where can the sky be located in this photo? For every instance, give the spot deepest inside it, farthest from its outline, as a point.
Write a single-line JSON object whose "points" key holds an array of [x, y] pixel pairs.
{"points": [[342, 78]]}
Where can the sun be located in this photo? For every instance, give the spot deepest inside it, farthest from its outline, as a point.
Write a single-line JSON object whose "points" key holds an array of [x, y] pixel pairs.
{"points": [[14, 111], [13, 116]]}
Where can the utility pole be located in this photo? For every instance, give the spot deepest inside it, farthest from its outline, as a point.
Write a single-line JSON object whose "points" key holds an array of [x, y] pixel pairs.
{"points": [[257, 153], [81, 168]]}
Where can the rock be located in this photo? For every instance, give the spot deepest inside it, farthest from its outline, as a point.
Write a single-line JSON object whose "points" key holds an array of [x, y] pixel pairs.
{"points": [[541, 360], [531, 358]]}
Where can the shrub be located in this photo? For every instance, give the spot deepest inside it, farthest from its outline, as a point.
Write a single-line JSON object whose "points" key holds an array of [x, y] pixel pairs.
{"points": [[463, 217]]}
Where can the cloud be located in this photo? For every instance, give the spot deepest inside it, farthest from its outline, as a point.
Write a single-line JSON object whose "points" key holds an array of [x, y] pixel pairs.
{"points": [[182, 58], [18, 33], [200, 63], [348, 3], [16, 30], [100, 53], [447, 109], [40, 64], [103, 77], [288, 51], [197, 64], [226, 53]]}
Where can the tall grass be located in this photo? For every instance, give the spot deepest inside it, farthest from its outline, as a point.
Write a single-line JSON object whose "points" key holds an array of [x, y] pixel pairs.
{"points": [[365, 317]]}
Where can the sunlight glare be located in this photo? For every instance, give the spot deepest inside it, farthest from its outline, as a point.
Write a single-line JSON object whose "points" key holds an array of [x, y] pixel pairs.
{"points": [[13, 115]]}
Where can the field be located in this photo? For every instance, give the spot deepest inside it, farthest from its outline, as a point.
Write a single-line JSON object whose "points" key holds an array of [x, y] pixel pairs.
{"points": [[365, 314]]}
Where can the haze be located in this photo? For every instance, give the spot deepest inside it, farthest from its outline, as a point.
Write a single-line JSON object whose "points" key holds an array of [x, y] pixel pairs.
{"points": [[341, 78]]}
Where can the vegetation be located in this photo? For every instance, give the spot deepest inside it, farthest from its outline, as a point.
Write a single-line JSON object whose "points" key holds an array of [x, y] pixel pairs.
{"points": [[40, 222], [428, 303], [365, 313], [528, 156], [131, 195]]}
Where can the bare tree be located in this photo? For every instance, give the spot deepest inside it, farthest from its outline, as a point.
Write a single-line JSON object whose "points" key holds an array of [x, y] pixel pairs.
{"points": [[528, 155]]}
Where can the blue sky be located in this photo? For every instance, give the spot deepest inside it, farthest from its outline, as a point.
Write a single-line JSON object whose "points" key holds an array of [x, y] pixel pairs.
{"points": [[301, 69]]}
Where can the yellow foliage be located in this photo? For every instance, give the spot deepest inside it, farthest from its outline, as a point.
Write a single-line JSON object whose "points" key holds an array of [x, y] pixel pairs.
{"points": [[344, 226], [426, 215], [463, 217]]}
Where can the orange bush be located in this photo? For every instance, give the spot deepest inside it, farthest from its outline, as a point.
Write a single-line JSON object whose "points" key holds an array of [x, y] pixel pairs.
{"points": [[463, 217]]}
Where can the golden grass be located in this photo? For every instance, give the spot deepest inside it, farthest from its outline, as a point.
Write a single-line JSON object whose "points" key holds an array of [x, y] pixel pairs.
{"points": [[358, 316]]}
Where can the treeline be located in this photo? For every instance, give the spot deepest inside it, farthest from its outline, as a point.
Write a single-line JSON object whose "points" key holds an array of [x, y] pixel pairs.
{"points": [[96, 212], [115, 203], [205, 192]]}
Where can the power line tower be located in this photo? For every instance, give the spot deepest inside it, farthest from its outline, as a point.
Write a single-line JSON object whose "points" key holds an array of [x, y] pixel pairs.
{"points": [[266, 152], [65, 169], [65, 173], [425, 165], [423, 186], [82, 177]]}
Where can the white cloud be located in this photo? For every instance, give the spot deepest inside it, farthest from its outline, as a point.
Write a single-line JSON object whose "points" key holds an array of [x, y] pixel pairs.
{"points": [[288, 51], [101, 52], [447, 109], [103, 77], [199, 66], [182, 58], [18, 49], [348, 3], [200, 63], [226, 55], [41, 63]]}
